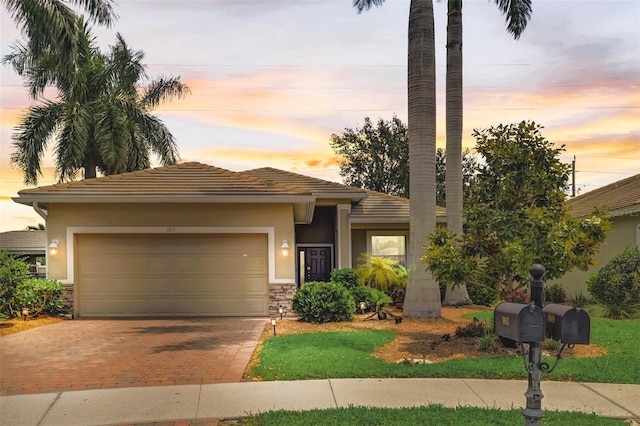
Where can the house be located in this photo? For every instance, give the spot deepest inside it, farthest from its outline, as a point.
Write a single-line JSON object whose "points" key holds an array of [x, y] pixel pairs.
{"points": [[28, 245], [197, 240], [622, 198]]}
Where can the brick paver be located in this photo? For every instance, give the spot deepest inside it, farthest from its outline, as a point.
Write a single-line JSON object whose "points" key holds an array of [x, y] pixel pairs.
{"points": [[107, 354]]}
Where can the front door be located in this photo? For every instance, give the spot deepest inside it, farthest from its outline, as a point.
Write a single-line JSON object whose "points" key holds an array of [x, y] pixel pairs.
{"points": [[315, 263]]}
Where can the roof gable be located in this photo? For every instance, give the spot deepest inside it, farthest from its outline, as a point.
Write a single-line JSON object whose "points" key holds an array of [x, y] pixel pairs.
{"points": [[319, 187]]}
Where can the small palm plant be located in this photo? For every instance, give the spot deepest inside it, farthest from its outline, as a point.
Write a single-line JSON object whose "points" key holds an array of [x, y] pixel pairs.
{"points": [[380, 273]]}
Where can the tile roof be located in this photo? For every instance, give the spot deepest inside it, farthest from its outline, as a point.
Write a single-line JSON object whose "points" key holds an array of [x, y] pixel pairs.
{"points": [[197, 182], [307, 183], [621, 197], [24, 241], [373, 207], [181, 180]]}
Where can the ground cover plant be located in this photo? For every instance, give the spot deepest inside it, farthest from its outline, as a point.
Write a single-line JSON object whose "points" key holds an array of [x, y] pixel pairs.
{"points": [[431, 415], [352, 352]]}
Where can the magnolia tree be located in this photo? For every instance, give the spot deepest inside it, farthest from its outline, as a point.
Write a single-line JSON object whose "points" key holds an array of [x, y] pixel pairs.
{"points": [[515, 217]]}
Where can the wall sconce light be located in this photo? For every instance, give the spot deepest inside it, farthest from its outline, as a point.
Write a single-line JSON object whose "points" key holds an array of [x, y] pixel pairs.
{"points": [[273, 323], [285, 247], [53, 247]]}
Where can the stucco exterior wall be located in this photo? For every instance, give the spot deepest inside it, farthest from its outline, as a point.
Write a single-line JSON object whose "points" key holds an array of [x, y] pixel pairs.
{"points": [[172, 218], [624, 233]]}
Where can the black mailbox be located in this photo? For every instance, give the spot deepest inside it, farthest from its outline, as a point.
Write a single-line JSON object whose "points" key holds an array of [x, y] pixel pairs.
{"points": [[519, 322], [566, 324]]}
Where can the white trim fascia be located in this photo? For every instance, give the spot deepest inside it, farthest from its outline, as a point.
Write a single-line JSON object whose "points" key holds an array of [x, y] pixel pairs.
{"points": [[353, 196], [269, 230], [389, 219], [625, 211]]}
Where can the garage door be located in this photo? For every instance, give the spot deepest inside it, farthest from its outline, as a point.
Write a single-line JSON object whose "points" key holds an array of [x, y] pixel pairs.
{"points": [[142, 275]]}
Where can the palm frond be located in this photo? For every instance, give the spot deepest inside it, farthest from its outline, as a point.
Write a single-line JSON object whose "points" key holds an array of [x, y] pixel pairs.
{"points": [[74, 149], [31, 138], [159, 138], [517, 15], [164, 89], [362, 5]]}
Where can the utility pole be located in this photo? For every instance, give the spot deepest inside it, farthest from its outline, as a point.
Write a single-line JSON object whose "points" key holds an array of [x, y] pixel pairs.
{"points": [[573, 177]]}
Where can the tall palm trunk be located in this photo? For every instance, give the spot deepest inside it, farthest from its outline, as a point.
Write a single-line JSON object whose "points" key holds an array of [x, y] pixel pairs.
{"points": [[422, 297], [453, 174]]}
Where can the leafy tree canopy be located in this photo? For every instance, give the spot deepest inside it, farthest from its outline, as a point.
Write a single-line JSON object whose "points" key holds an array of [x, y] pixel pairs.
{"points": [[516, 216], [376, 157]]}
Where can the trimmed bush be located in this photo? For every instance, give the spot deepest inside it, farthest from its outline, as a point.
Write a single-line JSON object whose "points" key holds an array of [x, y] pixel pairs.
{"points": [[481, 295], [40, 295], [370, 296], [13, 271], [617, 284], [554, 293], [323, 302], [347, 277]]}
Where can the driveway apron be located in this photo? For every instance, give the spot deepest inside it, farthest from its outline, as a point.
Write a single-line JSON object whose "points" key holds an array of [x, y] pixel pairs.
{"points": [[116, 353]]}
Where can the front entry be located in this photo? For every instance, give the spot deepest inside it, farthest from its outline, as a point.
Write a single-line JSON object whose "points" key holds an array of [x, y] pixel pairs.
{"points": [[314, 264]]}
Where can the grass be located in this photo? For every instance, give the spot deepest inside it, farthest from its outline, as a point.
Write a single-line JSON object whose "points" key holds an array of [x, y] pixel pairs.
{"points": [[431, 415], [349, 354]]}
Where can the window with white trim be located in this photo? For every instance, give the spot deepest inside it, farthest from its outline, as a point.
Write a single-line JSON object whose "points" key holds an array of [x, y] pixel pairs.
{"points": [[389, 244]]}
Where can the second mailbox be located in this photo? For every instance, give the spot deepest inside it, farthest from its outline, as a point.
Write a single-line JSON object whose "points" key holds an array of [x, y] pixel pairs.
{"points": [[519, 322], [567, 324]]}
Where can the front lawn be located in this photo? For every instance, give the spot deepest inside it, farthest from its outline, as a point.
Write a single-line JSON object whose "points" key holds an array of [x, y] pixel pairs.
{"points": [[431, 415], [347, 354]]}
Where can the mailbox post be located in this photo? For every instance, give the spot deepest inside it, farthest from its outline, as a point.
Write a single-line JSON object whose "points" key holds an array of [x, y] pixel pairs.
{"points": [[528, 324], [533, 413]]}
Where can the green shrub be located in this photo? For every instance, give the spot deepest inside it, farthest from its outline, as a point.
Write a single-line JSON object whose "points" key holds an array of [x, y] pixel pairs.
{"points": [[321, 302], [481, 295], [580, 299], [554, 293], [382, 273], [371, 297], [40, 295], [488, 343], [347, 277], [475, 328], [617, 284], [13, 271]]}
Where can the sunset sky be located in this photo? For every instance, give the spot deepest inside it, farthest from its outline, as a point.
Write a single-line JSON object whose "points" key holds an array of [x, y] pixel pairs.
{"points": [[272, 80]]}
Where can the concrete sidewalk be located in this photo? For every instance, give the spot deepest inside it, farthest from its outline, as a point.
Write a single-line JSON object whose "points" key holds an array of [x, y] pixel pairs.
{"points": [[233, 400]]}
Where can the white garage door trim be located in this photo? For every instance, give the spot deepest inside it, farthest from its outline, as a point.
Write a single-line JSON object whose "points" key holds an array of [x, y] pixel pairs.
{"points": [[270, 231]]}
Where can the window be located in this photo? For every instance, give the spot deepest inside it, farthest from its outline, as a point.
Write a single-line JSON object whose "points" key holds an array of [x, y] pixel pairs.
{"points": [[390, 244]]}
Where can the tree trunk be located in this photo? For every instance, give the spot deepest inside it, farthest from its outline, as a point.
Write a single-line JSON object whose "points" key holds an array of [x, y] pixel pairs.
{"points": [[89, 171], [422, 298], [454, 105]]}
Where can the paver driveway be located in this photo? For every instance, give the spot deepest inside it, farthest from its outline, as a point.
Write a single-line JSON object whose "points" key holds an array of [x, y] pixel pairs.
{"points": [[106, 354]]}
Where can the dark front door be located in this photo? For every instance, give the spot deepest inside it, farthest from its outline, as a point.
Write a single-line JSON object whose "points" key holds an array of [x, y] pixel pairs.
{"points": [[317, 263]]}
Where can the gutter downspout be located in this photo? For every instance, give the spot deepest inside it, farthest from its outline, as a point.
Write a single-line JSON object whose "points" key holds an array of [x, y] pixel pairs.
{"points": [[43, 213]]}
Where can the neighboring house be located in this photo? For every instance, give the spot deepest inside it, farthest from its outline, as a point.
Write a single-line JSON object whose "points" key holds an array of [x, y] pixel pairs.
{"points": [[29, 245], [622, 198], [197, 240]]}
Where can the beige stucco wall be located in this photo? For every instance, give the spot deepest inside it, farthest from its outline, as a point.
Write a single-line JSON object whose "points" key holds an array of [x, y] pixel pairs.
{"points": [[623, 234], [172, 217]]}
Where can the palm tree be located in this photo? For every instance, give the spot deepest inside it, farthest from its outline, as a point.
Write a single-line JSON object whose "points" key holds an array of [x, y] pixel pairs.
{"points": [[518, 13], [50, 28], [101, 118], [422, 298]]}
